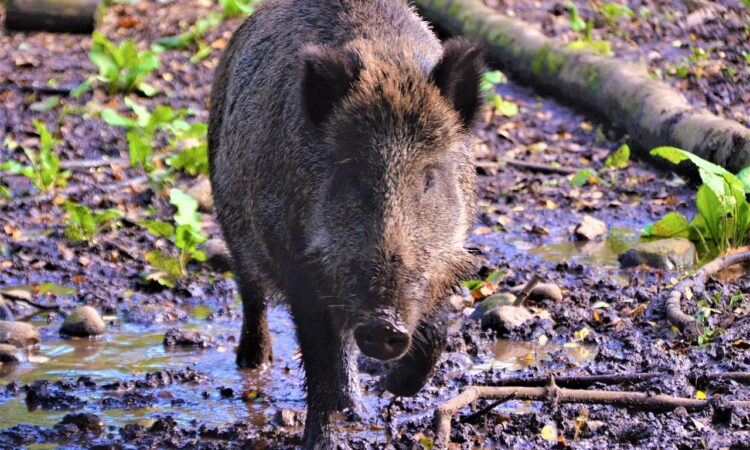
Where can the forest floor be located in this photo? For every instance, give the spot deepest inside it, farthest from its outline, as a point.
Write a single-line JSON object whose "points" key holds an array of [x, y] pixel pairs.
{"points": [[128, 390]]}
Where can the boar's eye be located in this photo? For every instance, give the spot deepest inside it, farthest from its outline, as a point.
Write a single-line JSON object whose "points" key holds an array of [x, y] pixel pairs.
{"points": [[429, 179]]}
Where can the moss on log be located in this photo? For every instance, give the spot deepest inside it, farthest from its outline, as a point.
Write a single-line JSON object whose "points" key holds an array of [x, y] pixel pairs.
{"points": [[621, 93]]}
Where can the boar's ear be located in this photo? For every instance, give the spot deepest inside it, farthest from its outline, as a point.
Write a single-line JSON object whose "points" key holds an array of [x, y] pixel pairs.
{"points": [[329, 74], [458, 76]]}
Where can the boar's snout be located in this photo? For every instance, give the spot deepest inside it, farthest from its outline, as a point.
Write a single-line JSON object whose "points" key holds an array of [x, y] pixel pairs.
{"points": [[381, 339]]}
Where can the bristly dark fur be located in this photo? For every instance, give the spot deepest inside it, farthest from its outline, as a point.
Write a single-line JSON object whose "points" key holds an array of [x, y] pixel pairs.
{"points": [[343, 178]]}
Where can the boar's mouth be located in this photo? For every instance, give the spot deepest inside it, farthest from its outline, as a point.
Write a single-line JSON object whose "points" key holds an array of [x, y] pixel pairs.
{"points": [[382, 338]]}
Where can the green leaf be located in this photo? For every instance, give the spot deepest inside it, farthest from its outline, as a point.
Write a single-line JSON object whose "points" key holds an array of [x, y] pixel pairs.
{"points": [[140, 150], [192, 160], [114, 119], [158, 228], [744, 177], [168, 267], [576, 23], [672, 224], [505, 107], [187, 209], [619, 159], [47, 105], [709, 206], [581, 178]]}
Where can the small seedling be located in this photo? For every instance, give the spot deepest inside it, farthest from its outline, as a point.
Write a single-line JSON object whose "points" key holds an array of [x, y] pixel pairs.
{"points": [[237, 8], [123, 68], [504, 107], [44, 169], [618, 160], [187, 236], [83, 224]]}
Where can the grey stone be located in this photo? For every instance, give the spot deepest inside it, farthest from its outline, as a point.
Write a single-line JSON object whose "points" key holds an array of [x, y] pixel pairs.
{"points": [[188, 338], [590, 228], [542, 291], [217, 255], [492, 302], [84, 321], [201, 191], [9, 354], [667, 254], [18, 334], [504, 318]]}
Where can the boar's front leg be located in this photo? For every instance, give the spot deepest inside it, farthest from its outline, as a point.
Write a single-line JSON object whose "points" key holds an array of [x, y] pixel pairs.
{"points": [[409, 374], [255, 341], [324, 345]]}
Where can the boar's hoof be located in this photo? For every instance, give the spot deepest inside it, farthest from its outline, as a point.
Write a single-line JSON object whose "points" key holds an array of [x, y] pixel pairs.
{"points": [[407, 376], [253, 357], [381, 340]]}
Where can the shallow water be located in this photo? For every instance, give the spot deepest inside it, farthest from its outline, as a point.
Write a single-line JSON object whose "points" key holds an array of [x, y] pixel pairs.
{"points": [[129, 351]]}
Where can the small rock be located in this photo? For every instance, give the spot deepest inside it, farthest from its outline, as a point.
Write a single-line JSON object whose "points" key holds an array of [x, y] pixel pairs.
{"points": [[492, 302], [505, 318], [542, 291], [84, 321], [590, 228], [9, 354], [288, 418], [85, 422], [667, 254], [18, 334], [189, 338], [201, 191], [217, 255]]}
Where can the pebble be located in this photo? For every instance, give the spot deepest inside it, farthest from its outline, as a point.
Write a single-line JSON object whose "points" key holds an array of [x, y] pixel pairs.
{"points": [[201, 191], [217, 255], [542, 291], [84, 321], [667, 254], [85, 422], [9, 354], [18, 334], [504, 318], [590, 228], [190, 338]]}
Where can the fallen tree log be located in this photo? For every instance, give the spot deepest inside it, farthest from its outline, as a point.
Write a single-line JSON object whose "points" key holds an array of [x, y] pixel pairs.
{"points": [[62, 16], [621, 93]]}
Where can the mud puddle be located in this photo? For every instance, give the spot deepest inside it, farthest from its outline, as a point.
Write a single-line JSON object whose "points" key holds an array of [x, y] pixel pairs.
{"points": [[131, 351]]}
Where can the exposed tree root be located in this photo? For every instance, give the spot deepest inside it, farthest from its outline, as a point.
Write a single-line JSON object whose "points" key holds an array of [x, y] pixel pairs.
{"points": [[696, 284], [555, 394]]}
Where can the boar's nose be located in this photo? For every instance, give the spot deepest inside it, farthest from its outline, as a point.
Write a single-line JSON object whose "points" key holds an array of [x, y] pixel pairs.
{"points": [[381, 339]]}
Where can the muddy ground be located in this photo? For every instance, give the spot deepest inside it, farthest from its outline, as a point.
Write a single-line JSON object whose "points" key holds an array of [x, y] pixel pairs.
{"points": [[127, 390]]}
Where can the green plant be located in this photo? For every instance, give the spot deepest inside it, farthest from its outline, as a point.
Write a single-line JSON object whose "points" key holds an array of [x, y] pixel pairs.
{"points": [[484, 288], [188, 139], [237, 8], [44, 168], [618, 160], [83, 224], [723, 218], [504, 107], [123, 68], [187, 236], [193, 35], [612, 12]]}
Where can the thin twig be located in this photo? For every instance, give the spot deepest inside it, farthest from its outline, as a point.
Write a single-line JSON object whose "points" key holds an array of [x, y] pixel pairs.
{"points": [[445, 412], [541, 168], [697, 283], [73, 190]]}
